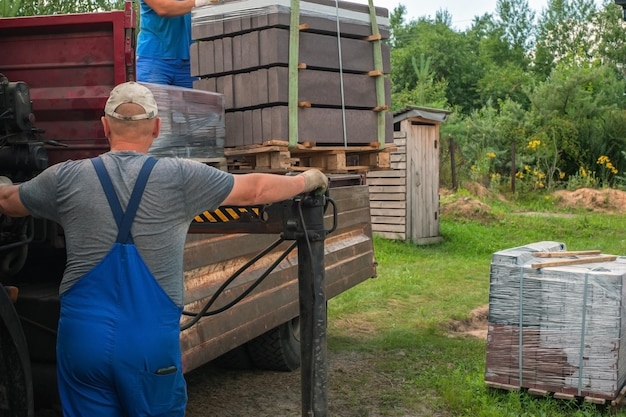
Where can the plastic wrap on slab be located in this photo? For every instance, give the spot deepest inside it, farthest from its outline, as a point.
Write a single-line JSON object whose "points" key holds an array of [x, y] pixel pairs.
{"points": [[559, 328], [192, 122], [342, 11]]}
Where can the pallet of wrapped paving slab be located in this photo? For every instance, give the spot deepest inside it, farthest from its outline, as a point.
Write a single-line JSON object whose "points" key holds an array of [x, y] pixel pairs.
{"points": [[322, 16]]}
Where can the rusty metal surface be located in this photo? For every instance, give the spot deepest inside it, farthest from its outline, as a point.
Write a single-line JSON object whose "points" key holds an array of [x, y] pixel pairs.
{"points": [[211, 259]]}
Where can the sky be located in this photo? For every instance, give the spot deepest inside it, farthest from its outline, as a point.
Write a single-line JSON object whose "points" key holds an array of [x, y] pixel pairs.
{"points": [[462, 11]]}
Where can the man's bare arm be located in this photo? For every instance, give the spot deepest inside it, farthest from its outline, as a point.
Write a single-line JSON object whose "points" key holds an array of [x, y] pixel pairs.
{"points": [[171, 8], [10, 202], [251, 189]]}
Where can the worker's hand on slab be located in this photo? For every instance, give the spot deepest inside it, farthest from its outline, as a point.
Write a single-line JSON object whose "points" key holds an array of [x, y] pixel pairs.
{"points": [[314, 179]]}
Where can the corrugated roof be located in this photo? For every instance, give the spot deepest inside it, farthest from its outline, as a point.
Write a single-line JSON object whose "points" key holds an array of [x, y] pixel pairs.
{"points": [[436, 115]]}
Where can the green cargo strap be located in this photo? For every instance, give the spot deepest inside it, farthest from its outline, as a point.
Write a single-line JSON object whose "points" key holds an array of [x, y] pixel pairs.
{"points": [[294, 45], [380, 82]]}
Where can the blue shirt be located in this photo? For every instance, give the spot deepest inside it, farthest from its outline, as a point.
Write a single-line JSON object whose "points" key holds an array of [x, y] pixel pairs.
{"points": [[163, 37]]}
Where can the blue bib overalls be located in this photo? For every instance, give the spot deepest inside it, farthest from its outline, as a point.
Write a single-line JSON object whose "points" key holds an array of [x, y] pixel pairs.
{"points": [[118, 345]]}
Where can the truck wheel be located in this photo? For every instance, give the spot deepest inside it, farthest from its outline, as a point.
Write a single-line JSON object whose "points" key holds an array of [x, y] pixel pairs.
{"points": [[278, 349], [237, 358]]}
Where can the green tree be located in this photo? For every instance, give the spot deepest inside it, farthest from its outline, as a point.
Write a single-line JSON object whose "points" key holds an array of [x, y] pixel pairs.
{"points": [[11, 8], [575, 109], [612, 46], [567, 31], [505, 82], [428, 92], [517, 21], [452, 60]]}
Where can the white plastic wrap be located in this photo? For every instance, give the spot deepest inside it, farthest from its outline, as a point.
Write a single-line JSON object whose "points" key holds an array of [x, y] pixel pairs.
{"points": [[192, 122], [556, 329], [346, 12]]}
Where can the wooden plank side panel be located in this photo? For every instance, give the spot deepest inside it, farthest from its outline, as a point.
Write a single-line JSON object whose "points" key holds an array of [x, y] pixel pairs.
{"points": [[388, 220], [390, 173], [388, 201], [386, 181], [391, 235], [388, 212], [389, 192], [388, 189], [388, 204], [387, 197], [397, 228]]}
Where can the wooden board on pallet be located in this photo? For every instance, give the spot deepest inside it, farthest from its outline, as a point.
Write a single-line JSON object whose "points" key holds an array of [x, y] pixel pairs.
{"points": [[545, 393]]}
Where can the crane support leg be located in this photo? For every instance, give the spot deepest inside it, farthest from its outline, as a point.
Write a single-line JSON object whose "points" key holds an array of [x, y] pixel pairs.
{"points": [[313, 313]]}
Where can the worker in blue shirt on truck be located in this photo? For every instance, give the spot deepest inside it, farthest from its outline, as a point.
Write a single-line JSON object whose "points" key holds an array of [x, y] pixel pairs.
{"points": [[164, 40]]}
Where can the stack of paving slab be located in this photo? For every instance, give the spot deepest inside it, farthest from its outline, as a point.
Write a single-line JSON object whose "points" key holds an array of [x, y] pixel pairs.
{"points": [[192, 123], [556, 329], [241, 50]]}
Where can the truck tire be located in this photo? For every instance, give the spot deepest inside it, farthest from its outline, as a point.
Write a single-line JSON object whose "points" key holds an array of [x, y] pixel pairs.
{"points": [[236, 359], [16, 386], [277, 349]]}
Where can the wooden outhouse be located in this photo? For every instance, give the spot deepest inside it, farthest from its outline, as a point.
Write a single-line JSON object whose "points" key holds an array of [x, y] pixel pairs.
{"points": [[404, 201]]}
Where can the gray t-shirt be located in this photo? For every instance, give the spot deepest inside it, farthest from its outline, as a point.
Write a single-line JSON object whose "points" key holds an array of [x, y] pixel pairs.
{"points": [[70, 194]]}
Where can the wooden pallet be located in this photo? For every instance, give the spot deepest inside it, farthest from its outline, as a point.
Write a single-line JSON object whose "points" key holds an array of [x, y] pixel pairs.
{"points": [[560, 395], [276, 156]]}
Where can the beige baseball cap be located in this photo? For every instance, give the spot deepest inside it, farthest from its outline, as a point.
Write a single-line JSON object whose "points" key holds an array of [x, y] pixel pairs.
{"points": [[131, 92]]}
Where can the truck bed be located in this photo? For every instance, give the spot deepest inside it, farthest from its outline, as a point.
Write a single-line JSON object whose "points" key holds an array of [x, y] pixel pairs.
{"points": [[71, 62]]}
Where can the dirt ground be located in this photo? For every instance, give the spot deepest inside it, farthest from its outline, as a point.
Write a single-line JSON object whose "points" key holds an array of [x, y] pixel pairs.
{"points": [[227, 393], [223, 393]]}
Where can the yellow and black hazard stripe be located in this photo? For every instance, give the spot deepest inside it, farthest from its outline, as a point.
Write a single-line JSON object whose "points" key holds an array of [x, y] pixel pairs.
{"points": [[227, 214]]}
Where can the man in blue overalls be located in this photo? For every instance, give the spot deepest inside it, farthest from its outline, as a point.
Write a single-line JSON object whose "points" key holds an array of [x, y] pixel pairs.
{"points": [[125, 216]]}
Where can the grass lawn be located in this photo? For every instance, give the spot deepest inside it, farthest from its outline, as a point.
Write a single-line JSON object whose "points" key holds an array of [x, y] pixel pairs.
{"points": [[401, 318]]}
